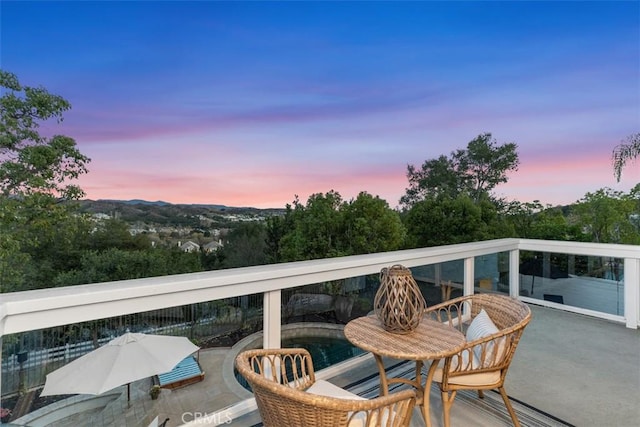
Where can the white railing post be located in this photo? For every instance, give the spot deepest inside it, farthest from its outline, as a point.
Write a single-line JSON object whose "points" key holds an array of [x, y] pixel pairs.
{"points": [[272, 315], [632, 292], [514, 273], [469, 275]]}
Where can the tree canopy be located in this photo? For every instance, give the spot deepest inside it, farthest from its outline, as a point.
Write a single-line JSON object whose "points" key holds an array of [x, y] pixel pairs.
{"points": [[532, 220], [609, 216], [36, 172], [443, 221], [29, 161], [245, 246], [328, 227], [474, 172]]}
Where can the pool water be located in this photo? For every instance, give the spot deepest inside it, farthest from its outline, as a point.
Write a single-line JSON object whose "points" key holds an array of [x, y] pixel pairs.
{"points": [[325, 351]]}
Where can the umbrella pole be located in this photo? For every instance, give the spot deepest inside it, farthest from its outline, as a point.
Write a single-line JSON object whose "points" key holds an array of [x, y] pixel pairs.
{"points": [[128, 392]]}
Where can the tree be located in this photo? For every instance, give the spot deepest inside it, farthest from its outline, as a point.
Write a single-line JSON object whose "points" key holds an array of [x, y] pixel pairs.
{"points": [[522, 216], [484, 165], [608, 216], [532, 220], [118, 264], [443, 221], [12, 263], [473, 172], [245, 246], [316, 228], [276, 228], [437, 178], [624, 152], [29, 162], [329, 227], [36, 179], [370, 226], [114, 233]]}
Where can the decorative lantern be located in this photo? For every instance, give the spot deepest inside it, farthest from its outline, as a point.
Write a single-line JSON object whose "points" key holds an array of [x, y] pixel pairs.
{"points": [[399, 304]]}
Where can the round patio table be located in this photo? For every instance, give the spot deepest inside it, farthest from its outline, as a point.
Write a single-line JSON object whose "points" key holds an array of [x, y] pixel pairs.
{"points": [[431, 340]]}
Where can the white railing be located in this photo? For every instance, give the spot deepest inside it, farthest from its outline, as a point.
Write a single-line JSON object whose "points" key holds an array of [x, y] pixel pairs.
{"points": [[38, 309], [631, 273]]}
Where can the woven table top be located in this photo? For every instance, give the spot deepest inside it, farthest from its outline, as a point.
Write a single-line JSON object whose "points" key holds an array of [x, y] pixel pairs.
{"points": [[430, 340]]}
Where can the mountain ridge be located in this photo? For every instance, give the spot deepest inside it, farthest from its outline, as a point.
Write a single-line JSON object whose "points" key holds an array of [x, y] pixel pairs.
{"points": [[163, 203], [164, 213]]}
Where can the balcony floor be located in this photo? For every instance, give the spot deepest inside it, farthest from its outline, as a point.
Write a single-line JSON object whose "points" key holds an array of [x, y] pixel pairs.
{"points": [[582, 370]]}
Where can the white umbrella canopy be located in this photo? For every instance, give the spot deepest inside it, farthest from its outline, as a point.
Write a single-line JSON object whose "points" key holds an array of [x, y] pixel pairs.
{"points": [[125, 359]]}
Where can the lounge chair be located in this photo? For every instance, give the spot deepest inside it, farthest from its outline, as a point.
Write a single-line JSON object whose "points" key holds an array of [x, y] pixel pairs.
{"points": [[188, 371]]}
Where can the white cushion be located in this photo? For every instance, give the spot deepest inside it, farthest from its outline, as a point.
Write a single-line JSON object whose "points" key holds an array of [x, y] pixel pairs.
{"points": [[325, 388], [482, 326], [474, 379]]}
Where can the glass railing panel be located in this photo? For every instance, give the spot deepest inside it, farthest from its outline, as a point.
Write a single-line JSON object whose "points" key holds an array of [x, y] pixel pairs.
{"points": [[235, 319], [491, 273], [215, 326], [309, 303], [440, 282], [332, 302], [313, 317], [589, 282]]}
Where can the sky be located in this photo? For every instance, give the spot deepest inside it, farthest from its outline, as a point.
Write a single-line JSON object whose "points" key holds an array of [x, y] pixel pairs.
{"points": [[255, 103]]}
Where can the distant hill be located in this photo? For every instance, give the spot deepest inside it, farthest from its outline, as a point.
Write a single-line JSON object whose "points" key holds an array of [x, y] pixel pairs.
{"points": [[162, 203], [135, 202], [164, 213]]}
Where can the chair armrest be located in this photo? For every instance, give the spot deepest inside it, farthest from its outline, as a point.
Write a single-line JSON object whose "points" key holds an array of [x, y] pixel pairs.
{"points": [[487, 353], [288, 366], [448, 312]]}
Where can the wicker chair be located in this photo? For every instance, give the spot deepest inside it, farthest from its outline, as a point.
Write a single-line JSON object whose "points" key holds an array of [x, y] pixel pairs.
{"points": [[286, 391], [483, 363]]}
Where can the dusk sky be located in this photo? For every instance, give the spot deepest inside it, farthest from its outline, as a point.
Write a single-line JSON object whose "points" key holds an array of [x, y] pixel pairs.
{"points": [[252, 103]]}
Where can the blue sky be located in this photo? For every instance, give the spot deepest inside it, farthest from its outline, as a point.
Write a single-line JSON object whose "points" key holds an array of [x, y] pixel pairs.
{"points": [[252, 103]]}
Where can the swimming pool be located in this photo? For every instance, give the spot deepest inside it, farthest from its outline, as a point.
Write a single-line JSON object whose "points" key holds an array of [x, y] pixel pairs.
{"points": [[325, 351]]}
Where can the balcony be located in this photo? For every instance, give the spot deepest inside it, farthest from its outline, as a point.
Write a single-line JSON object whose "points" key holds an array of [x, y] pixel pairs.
{"points": [[578, 359]]}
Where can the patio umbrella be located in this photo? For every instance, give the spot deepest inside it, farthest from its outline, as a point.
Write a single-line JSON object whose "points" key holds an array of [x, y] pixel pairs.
{"points": [[125, 359]]}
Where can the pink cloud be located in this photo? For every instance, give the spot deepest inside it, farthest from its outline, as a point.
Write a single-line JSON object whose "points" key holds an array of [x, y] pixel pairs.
{"points": [[565, 178], [554, 179], [264, 187]]}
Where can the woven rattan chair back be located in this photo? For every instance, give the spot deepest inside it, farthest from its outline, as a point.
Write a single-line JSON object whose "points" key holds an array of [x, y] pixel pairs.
{"points": [[483, 363], [279, 378]]}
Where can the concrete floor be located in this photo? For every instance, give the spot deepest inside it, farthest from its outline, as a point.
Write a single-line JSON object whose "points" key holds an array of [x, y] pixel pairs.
{"points": [[583, 370]]}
